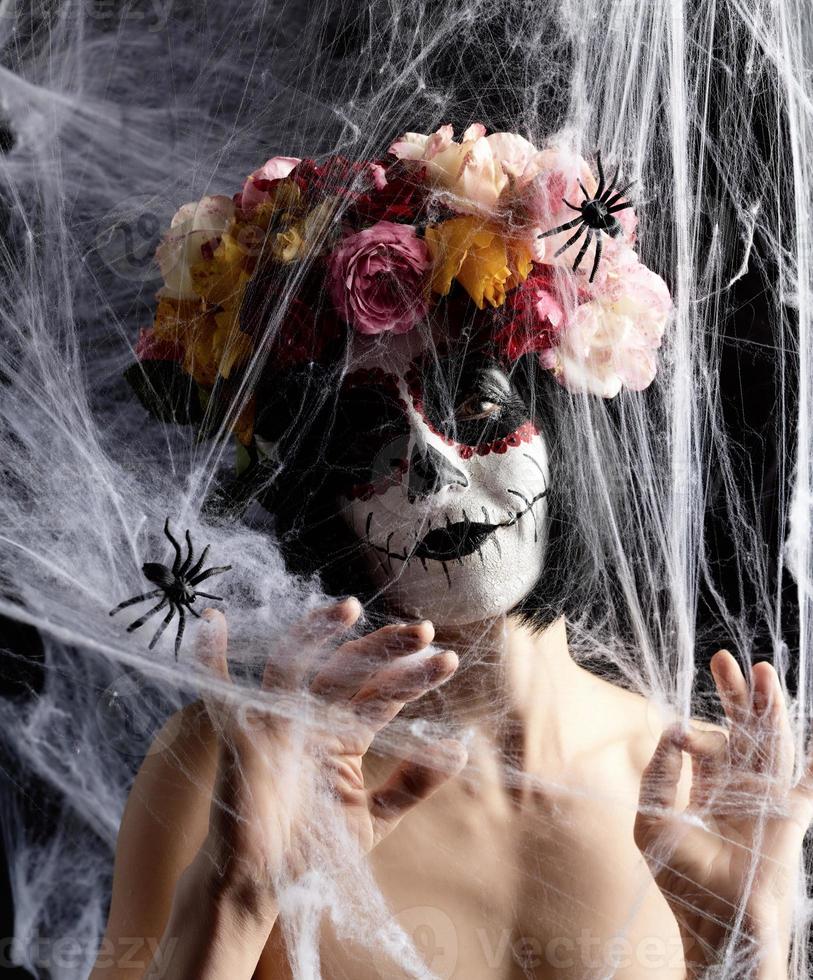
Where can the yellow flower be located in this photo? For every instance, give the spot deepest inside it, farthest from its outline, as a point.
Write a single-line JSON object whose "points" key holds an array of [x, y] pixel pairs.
{"points": [[215, 346], [280, 205], [297, 239], [175, 318], [485, 264], [289, 245], [222, 279]]}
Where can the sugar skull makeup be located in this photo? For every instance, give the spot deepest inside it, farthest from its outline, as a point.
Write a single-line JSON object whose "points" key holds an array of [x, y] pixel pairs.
{"points": [[444, 484]]}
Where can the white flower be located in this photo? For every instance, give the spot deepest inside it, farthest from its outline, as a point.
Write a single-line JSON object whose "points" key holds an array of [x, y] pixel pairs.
{"points": [[611, 341], [476, 170], [193, 227], [557, 174]]}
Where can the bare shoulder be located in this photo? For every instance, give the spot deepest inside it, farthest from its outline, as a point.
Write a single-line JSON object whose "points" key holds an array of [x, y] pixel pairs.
{"points": [[164, 823], [634, 723]]}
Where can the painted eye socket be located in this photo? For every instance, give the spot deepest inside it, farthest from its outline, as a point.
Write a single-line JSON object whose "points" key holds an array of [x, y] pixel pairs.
{"points": [[472, 404]]}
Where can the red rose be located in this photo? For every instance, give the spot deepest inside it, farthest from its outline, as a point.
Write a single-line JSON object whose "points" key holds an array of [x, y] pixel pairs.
{"points": [[150, 348], [302, 339], [401, 195], [534, 316]]}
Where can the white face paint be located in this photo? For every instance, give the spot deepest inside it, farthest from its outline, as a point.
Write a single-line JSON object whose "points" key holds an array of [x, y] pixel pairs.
{"points": [[454, 530]]}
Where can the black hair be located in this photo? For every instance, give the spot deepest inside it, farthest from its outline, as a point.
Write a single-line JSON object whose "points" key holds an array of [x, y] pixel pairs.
{"points": [[300, 417]]}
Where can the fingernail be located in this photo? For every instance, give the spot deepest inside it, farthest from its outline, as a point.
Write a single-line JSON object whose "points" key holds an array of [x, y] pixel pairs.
{"points": [[347, 607], [416, 629]]}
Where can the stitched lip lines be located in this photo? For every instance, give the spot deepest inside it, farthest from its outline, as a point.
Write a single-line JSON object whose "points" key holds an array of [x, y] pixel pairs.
{"points": [[456, 540]]}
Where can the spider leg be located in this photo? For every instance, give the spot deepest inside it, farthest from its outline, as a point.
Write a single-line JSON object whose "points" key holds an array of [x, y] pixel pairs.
{"points": [[163, 626], [620, 207], [181, 628], [197, 615], [619, 194], [190, 554], [565, 227], [209, 573], [176, 564], [135, 599], [573, 206], [199, 564], [140, 622], [597, 259], [570, 241], [600, 188], [583, 249], [583, 190], [208, 595], [609, 188]]}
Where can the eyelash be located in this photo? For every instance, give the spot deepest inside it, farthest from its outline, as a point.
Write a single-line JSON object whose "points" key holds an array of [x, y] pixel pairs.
{"points": [[496, 405]]}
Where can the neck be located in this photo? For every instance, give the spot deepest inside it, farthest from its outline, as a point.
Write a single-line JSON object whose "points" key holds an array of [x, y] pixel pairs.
{"points": [[515, 688]]}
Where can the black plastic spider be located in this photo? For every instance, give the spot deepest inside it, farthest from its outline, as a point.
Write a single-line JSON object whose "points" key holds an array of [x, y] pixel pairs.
{"points": [[597, 215], [176, 586]]}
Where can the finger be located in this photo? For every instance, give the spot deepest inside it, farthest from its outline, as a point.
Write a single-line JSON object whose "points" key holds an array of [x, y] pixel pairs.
{"points": [[731, 686], [735, 698], [211, 643], [298, 648], [355, 661], [710, 763], [803, 792], [772, 734], [658, 795], [414, 781], [385, 694]]}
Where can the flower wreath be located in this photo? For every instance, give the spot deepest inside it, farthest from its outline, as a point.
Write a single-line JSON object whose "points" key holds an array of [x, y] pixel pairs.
{"points": [[489, 218]]}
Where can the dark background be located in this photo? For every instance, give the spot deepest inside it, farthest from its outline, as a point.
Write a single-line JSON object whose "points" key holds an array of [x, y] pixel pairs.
{"points": [[750, 398]]}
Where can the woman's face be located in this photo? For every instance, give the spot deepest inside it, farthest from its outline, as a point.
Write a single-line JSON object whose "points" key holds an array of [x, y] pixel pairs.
{"points": [[444, 479]]}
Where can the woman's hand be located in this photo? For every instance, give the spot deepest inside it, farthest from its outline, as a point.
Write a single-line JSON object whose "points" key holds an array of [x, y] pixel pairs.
{"points": [[735, 851], [290, 766]]}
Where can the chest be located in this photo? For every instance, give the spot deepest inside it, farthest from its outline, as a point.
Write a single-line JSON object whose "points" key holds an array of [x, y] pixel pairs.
{"points": [[480, 885]]}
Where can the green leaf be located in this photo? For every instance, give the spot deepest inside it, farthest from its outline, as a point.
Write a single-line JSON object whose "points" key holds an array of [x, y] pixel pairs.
{"points": [[242, 458]]}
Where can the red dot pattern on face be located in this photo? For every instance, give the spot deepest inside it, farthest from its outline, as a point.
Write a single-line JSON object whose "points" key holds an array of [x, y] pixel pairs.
{"points": [[524, 433]]}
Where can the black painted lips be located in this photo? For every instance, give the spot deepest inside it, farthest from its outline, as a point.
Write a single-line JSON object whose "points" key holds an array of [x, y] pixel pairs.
{"points": [[454, 540]]}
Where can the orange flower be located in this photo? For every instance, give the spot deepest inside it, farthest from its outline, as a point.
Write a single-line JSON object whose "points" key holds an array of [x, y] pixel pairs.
{"points": [[175, 319], [475, 253], [221, 279], [215, 346]]}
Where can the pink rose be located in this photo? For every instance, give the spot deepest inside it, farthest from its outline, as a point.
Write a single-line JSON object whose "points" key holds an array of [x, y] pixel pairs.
{"points": [[257, 187], [477, 170], [378, 278], [552, 176], [611, 341]]}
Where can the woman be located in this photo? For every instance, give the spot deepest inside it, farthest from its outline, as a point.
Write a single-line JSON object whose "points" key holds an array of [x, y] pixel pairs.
{"points": [[522, 815]]}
